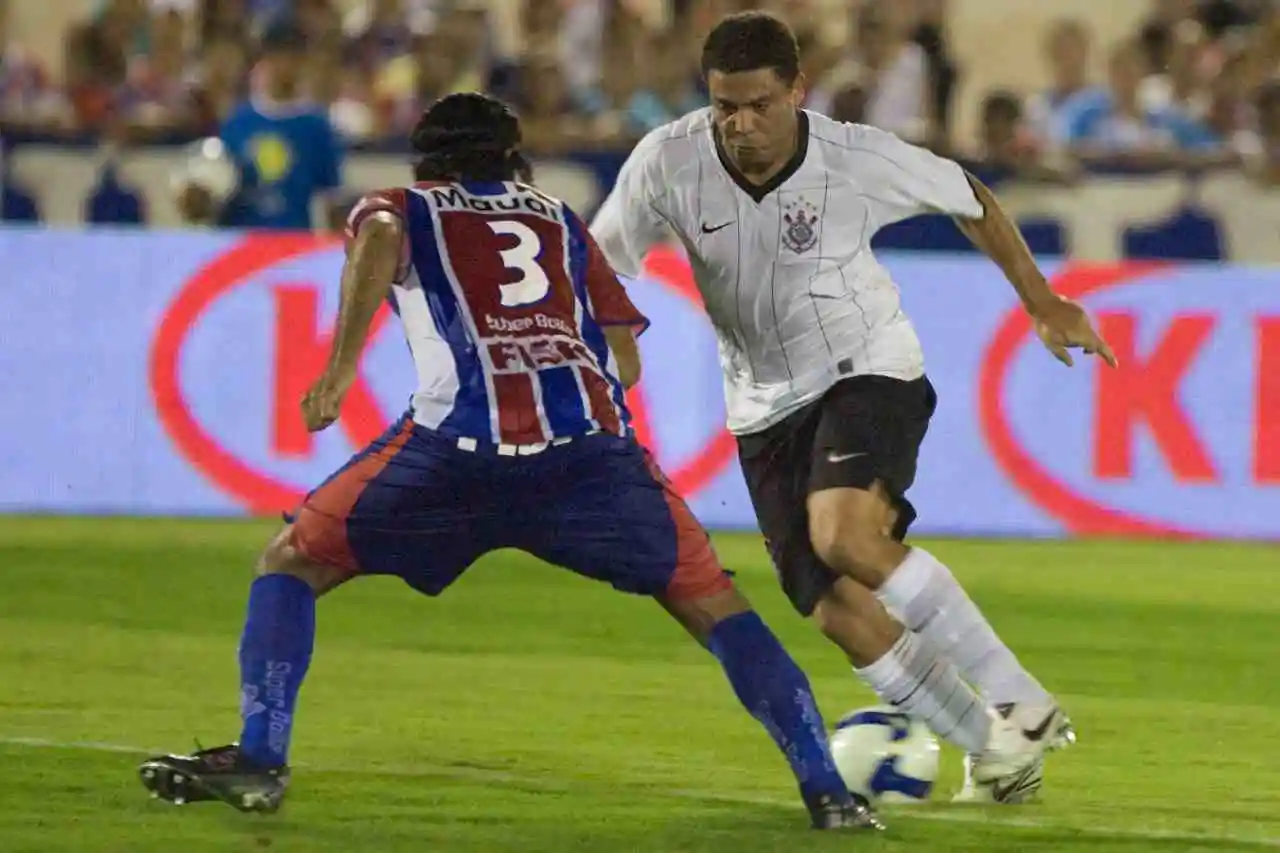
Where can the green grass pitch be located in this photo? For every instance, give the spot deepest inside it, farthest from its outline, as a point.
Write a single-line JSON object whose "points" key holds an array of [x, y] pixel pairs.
{"points": [[528, 710]]}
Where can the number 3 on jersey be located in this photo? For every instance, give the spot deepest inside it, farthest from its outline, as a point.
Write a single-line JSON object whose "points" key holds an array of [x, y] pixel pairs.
{"points": [[533, 284]]}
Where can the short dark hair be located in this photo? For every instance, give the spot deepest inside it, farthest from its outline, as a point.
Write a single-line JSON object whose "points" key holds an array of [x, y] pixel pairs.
{"points": [[1001, 105], [749, 41], [469, 136]]}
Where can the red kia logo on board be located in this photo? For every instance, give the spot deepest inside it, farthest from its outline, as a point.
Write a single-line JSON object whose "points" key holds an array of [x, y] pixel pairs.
{"points": [[1191, 416], [300, 344]]}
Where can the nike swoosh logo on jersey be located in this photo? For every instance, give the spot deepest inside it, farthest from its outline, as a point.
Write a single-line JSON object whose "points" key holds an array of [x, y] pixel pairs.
{"points": [[841, 457], [1037, 734], [706, 230]]}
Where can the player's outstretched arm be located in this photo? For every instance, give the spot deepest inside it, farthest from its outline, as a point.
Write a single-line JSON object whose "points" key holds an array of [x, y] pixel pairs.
{"points": [[918, 181], [1061, 323], [366, 278]]}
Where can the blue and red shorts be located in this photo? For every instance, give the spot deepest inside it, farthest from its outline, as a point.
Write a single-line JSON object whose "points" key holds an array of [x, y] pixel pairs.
{"points": [[417, 505]]}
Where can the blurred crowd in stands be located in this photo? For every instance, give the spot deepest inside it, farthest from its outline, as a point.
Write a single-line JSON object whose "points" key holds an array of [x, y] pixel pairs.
{"points": [[1197, 85]]}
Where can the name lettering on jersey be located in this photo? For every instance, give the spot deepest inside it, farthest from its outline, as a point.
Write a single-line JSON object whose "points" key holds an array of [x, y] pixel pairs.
{"points": [[521, 200], [523, 355], [524, 324]]}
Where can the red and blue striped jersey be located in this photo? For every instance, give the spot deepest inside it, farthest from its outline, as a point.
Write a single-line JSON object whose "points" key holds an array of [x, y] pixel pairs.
{"points": [[504, 297]]}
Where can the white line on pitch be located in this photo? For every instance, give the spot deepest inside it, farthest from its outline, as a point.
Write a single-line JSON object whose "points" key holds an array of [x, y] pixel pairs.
{"points": [[972, 818], [93, 746]]}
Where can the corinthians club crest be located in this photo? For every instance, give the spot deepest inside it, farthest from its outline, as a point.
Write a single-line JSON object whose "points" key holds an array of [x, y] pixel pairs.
{"points": [[800, 226]]}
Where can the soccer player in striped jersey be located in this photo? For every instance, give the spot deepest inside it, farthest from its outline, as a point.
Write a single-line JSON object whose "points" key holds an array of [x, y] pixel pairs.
{"points": [[518, 436]]}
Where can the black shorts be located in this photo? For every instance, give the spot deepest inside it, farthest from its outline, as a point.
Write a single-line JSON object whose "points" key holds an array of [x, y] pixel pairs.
{"points": [[864, 429]]}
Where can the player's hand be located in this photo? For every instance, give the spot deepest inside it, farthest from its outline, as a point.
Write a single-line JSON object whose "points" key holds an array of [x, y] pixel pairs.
{"points": [[1063, 325], [323, 403]]}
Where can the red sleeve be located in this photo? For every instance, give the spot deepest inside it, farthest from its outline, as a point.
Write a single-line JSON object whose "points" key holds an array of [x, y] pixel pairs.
{"points": [[610, 304], [390, 201]]}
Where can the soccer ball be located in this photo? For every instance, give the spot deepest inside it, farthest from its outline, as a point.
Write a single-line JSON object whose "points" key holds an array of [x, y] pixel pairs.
{"points": [[886, 756], [208, 165]]}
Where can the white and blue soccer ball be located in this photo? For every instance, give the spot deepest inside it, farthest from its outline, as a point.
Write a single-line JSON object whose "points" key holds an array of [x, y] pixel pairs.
{"points": [[207, 164], [886, 756]]}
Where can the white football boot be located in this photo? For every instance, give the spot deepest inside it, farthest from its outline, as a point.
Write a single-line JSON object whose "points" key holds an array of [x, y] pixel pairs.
{"points": [[1011, 769], [1014, 790]]}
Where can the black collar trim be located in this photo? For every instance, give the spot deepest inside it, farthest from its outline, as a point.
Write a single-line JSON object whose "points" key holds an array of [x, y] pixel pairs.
{"points": [[759, 191]]}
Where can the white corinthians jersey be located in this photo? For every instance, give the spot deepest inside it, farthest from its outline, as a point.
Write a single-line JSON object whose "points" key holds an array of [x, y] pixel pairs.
{"points": [[786, 271]]}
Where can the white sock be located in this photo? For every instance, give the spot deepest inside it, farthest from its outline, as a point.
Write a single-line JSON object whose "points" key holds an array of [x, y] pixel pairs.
{"points": [[921, 684], [924, 595]]}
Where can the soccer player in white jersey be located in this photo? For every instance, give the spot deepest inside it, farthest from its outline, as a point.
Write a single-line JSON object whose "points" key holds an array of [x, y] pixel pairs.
{"points": [[824, 376]]}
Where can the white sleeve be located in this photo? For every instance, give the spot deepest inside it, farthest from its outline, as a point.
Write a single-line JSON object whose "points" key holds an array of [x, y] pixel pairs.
{"points": [[911, 180], [629, 222]]}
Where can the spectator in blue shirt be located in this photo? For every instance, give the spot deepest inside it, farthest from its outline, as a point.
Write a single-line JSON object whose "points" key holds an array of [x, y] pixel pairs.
{"points": [[283, 145], [1112, 126], [1066, 48]]}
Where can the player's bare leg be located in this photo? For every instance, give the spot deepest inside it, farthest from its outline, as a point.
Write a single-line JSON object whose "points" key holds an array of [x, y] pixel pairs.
{"points": [[275, 651], [849, 533], [775, 691]]}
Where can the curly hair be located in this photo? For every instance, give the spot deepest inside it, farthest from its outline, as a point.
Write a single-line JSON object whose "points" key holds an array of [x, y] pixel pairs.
{"points": [[469, 136]]}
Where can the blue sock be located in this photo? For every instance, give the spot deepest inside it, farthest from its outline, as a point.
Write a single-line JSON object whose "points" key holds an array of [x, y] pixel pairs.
{"points": [[275, 650], [776, 692]]}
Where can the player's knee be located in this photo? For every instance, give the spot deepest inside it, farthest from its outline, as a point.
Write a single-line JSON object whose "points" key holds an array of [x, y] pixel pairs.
{"points": [[849, 531], [848, 547], [281, 557]]}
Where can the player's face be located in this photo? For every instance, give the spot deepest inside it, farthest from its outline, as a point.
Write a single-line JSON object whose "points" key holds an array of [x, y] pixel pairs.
{"points": [[755, 113]]}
